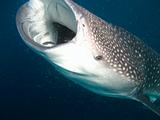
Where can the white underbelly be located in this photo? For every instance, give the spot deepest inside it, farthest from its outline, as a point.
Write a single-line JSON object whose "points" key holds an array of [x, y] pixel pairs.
{"points": [[79, 65], [109, 84]]}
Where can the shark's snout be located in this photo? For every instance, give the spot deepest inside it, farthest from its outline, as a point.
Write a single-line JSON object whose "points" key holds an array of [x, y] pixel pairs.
{"points": [[47, 24]]}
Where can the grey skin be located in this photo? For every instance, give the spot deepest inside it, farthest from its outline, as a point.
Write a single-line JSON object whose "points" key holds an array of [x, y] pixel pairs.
{"points": [[95, 54]]}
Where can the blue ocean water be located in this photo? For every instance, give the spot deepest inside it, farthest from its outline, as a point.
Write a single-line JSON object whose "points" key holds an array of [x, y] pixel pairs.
{"points": [[30, 89]]}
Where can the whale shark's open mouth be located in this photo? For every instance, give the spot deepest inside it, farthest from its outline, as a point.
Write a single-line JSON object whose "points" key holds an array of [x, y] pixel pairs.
{"points": [[64, 34], [45, 25]]}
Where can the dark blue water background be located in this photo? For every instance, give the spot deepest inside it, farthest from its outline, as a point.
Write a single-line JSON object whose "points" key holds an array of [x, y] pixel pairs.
{"points": [[30, 89]]}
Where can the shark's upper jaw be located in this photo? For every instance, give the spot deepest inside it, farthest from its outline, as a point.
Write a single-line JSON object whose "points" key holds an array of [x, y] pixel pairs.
{"points": [[46, 25]]}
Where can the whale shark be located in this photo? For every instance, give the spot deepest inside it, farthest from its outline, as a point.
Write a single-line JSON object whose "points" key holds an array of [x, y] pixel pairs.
{"points": [[95, 54]]}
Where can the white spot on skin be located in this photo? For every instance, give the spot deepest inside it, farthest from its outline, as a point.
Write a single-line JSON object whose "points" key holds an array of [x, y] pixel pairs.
{"points": [[114, 65], [114, 70], [155, 80], [127, 74], [132, 76], [149, 85], [121, 51], [119, 65], [123, 68], [136, 51], [152, 77], [111, 64], [154, 68]]}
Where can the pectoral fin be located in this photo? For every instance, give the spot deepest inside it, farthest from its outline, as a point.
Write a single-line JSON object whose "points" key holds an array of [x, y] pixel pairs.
{"points": [[150, 103]]}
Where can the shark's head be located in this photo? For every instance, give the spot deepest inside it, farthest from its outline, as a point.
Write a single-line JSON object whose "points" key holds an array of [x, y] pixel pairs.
{"points": [[75, 40], [58, 30]]}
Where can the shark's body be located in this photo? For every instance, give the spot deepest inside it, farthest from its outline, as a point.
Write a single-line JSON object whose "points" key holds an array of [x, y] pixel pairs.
{"points": [[99, 56]]}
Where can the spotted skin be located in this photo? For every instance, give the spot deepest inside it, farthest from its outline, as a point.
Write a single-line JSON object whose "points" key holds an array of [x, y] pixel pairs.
{"points": [[125, 53]]}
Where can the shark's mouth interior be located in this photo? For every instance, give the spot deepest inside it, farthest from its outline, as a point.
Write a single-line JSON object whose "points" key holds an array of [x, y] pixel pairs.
{"points": [[64, 34], [49, 27], [61, 27], [59, 34]]}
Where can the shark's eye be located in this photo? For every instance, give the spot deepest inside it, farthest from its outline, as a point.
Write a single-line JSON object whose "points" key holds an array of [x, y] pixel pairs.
{"points": [[99, 57], [83, 25]]}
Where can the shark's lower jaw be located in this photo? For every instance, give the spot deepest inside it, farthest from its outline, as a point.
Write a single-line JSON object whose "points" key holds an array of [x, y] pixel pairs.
{"points": [[43, 28]]}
